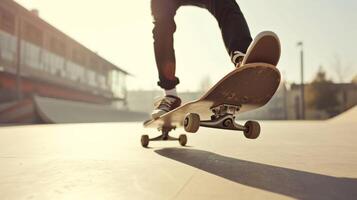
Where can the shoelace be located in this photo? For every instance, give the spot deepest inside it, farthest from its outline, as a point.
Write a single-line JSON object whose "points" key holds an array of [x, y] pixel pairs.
{"points": [[237, 55]]}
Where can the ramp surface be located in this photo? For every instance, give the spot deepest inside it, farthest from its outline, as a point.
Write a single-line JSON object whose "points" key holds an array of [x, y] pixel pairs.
{"points": [[63, 111], [349, 116], [41, 110], [291, 160]]}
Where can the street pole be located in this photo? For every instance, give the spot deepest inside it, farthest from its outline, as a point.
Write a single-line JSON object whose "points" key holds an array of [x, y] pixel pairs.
{"points": [[302, 87], [18, 62]]}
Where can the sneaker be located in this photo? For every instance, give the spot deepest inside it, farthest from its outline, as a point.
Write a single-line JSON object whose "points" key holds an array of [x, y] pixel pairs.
{"points": [[165, 105], [237, 58], [264, 48]]}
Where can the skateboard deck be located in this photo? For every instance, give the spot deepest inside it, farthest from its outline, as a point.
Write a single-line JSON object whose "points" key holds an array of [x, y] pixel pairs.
{"points": [[248, 87]]}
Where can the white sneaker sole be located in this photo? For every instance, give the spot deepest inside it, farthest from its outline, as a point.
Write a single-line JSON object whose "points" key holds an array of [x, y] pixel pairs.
{"points": [[157, 113], [265, 40]]}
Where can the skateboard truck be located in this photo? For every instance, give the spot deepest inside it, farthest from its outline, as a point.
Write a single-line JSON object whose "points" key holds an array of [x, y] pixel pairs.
{"points": [[164, 137], [223, 118], [225, 109]]}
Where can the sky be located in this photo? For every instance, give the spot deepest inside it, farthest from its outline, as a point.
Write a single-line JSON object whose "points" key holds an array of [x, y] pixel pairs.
{"points": [[121, 32]]}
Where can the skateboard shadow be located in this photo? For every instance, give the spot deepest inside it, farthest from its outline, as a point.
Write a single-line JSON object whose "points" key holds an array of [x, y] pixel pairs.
{"points": [[293, 183]]}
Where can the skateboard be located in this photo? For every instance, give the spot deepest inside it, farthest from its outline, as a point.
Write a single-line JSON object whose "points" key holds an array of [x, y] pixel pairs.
{"points": [[246, 88]]}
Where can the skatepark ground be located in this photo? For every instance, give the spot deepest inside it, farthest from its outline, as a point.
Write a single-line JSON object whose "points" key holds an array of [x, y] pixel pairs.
{"points": [[290, 160]]}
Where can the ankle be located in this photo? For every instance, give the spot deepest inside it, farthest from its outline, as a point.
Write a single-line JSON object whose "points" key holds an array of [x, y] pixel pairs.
{"points": [[171, 92]]}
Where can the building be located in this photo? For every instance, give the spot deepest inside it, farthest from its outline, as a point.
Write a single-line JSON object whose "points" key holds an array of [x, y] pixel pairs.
{"points": [[36, 59], [346, 96]]}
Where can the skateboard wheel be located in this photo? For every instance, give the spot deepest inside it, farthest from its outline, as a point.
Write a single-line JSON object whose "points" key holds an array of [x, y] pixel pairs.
{"points": [[144, 140], [253, 130], [183, 140], [192, 123]]}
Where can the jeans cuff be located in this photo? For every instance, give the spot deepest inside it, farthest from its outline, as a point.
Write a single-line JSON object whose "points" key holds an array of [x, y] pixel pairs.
{"points": [[168, 84]]}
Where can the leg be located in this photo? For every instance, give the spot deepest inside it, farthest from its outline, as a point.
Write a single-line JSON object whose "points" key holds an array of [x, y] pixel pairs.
{"points": [[235, 30], [163, 12]]}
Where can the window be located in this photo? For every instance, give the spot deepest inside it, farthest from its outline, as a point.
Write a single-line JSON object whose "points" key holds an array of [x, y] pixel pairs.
{"points": [[7, 46], [30, 55], [118, 85], [75, 72], [7, 21], [53, 63]]}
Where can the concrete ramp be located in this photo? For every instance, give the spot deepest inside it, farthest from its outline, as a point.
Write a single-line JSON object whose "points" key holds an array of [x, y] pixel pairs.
{"points": [[349, 116], [19, 112], [48, 110], [64, 111]]}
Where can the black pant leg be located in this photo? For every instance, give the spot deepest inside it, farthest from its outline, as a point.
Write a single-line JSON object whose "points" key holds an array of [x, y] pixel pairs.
{"points": [[233, 25], [163, 12], [234, 28]]}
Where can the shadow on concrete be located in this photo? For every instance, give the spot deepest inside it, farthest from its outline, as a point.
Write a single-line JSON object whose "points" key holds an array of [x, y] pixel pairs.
{"points": [[284, 181]]}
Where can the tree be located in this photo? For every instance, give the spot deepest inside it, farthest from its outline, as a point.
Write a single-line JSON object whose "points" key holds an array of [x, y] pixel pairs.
{"points": [[322, 94], [354, 80], [341, 69]]}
